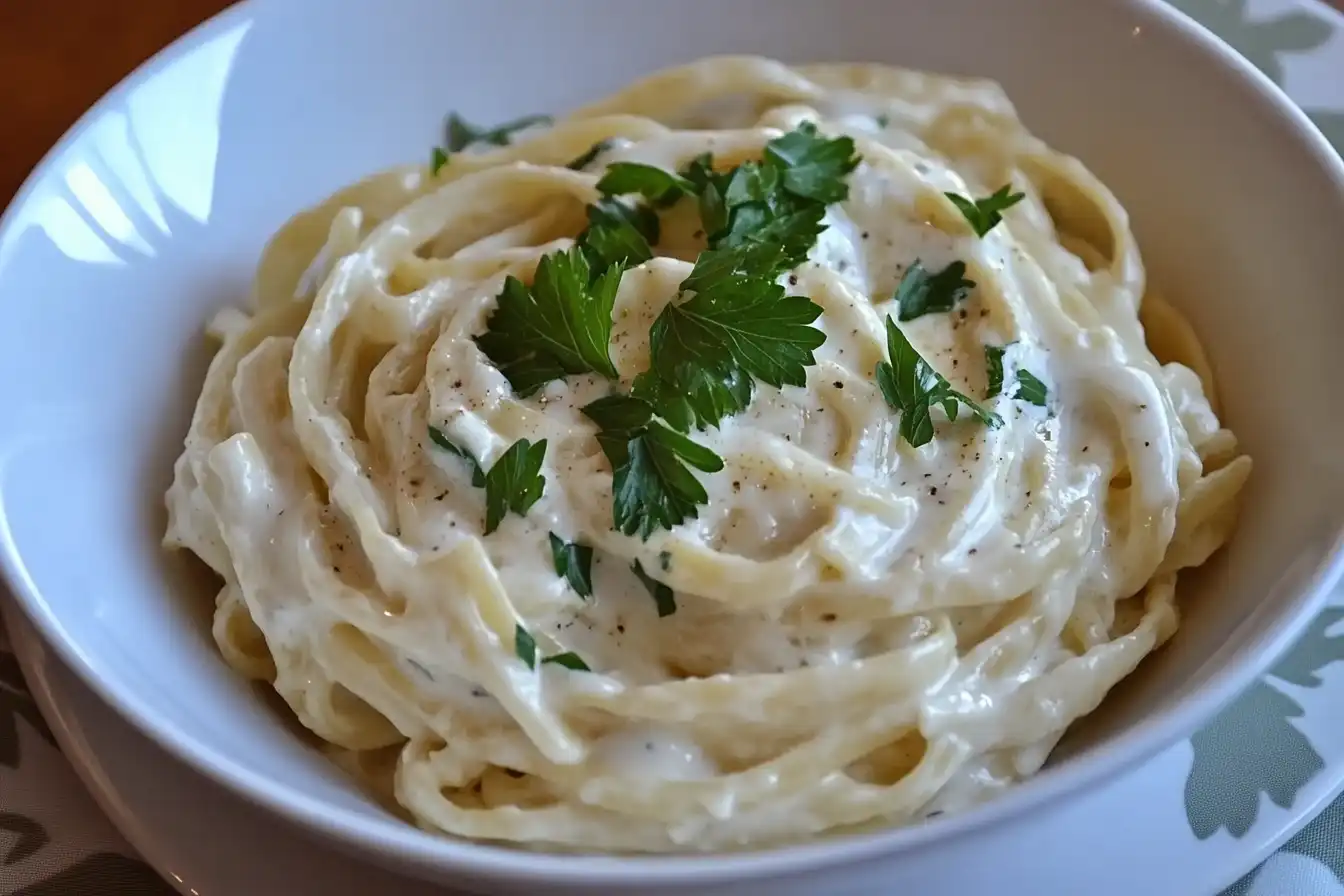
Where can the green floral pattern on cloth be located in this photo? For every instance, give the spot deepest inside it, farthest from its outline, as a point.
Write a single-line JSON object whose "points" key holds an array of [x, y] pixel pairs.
{"points": [[1254, 749]]}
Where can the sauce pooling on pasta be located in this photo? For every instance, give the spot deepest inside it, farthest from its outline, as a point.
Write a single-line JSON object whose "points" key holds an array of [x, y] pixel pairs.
{"points": [[860, 621]]}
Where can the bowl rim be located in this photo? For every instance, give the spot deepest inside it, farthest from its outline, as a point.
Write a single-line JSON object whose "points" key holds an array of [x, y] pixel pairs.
{"points": [[398, 840]]}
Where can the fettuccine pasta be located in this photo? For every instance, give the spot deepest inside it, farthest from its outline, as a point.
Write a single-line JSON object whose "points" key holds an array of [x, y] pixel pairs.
{"points": [[851, 630]]}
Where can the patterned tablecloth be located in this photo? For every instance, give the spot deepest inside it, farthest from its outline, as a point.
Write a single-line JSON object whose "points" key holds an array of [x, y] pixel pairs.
{"points": [[54, 841]]}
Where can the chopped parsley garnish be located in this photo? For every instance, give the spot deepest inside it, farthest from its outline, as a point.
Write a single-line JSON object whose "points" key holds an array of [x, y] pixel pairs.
{"points": [[573, 563], [921, 293], [994, 369], [813, 166], [883, 120], [912, 387], [583, 161], [560, 325], [652, 483], [738, 325], [619, 234], [985, 214], [437, 159], [570, 660], [515, 482], [461, 134], [737, 319], [654, 184], [779, 200], [663, 597], [438, 437], [1030, 389], [525, 646], [698, 399]]}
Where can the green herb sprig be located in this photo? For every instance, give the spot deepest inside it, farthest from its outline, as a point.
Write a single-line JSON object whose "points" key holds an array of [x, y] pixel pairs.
{"points": [[652, 483], [985, 214], [574, 564], [525, 646], [663, 596], [912, 387], [514, 483]]}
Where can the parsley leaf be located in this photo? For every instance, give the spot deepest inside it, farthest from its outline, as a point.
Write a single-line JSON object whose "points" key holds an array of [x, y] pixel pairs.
{"points": [[590, 156], [560, 325], [515, 482], [663, 597], [437, 159], [912, 387], [525, 646], [698, 398], [574, 563], [438, 437], [654, 184], [570, 660], [619, 234], [736, 319], [779, 200], [984, 214], [994, 369], [652, 483], [921, 293], [1030, 389], [813, 166], [461, 134]]}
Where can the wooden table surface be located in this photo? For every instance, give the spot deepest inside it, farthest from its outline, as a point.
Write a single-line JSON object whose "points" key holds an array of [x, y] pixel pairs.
{"points": [[56, 60]]}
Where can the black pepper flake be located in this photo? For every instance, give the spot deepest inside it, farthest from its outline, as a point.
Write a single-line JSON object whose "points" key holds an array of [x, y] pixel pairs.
{"points": [[737, 486], [793, 279], [1085, 447], [837, 384], [933, 490], [478, 692], [336, 569], [973, 551], [457, 384], [620, 629], [865, 234], [1147, 444]]}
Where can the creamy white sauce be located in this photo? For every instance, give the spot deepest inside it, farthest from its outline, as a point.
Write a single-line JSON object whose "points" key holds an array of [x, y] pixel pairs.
{"points": [[864, 631]]}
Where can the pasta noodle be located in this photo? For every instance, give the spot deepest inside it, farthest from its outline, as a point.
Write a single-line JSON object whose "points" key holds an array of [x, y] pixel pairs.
{"points": [[865, 632]]}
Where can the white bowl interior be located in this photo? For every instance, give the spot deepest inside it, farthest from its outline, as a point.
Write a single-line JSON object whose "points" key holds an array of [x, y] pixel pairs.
{"points": [[152, 215]]}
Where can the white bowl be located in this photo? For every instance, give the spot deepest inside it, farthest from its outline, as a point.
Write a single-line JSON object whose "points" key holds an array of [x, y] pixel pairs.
{"points": [[150, 214]]}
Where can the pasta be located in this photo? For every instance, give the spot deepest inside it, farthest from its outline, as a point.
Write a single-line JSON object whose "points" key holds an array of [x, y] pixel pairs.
{"points": [[851, 630]]}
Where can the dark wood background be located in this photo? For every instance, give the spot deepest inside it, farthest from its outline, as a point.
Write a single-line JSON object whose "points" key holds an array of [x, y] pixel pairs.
{"points": [[56, 59]]}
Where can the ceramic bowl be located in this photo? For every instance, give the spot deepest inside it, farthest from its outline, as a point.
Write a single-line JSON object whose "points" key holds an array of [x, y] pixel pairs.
{"points": [[151, 212]]}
